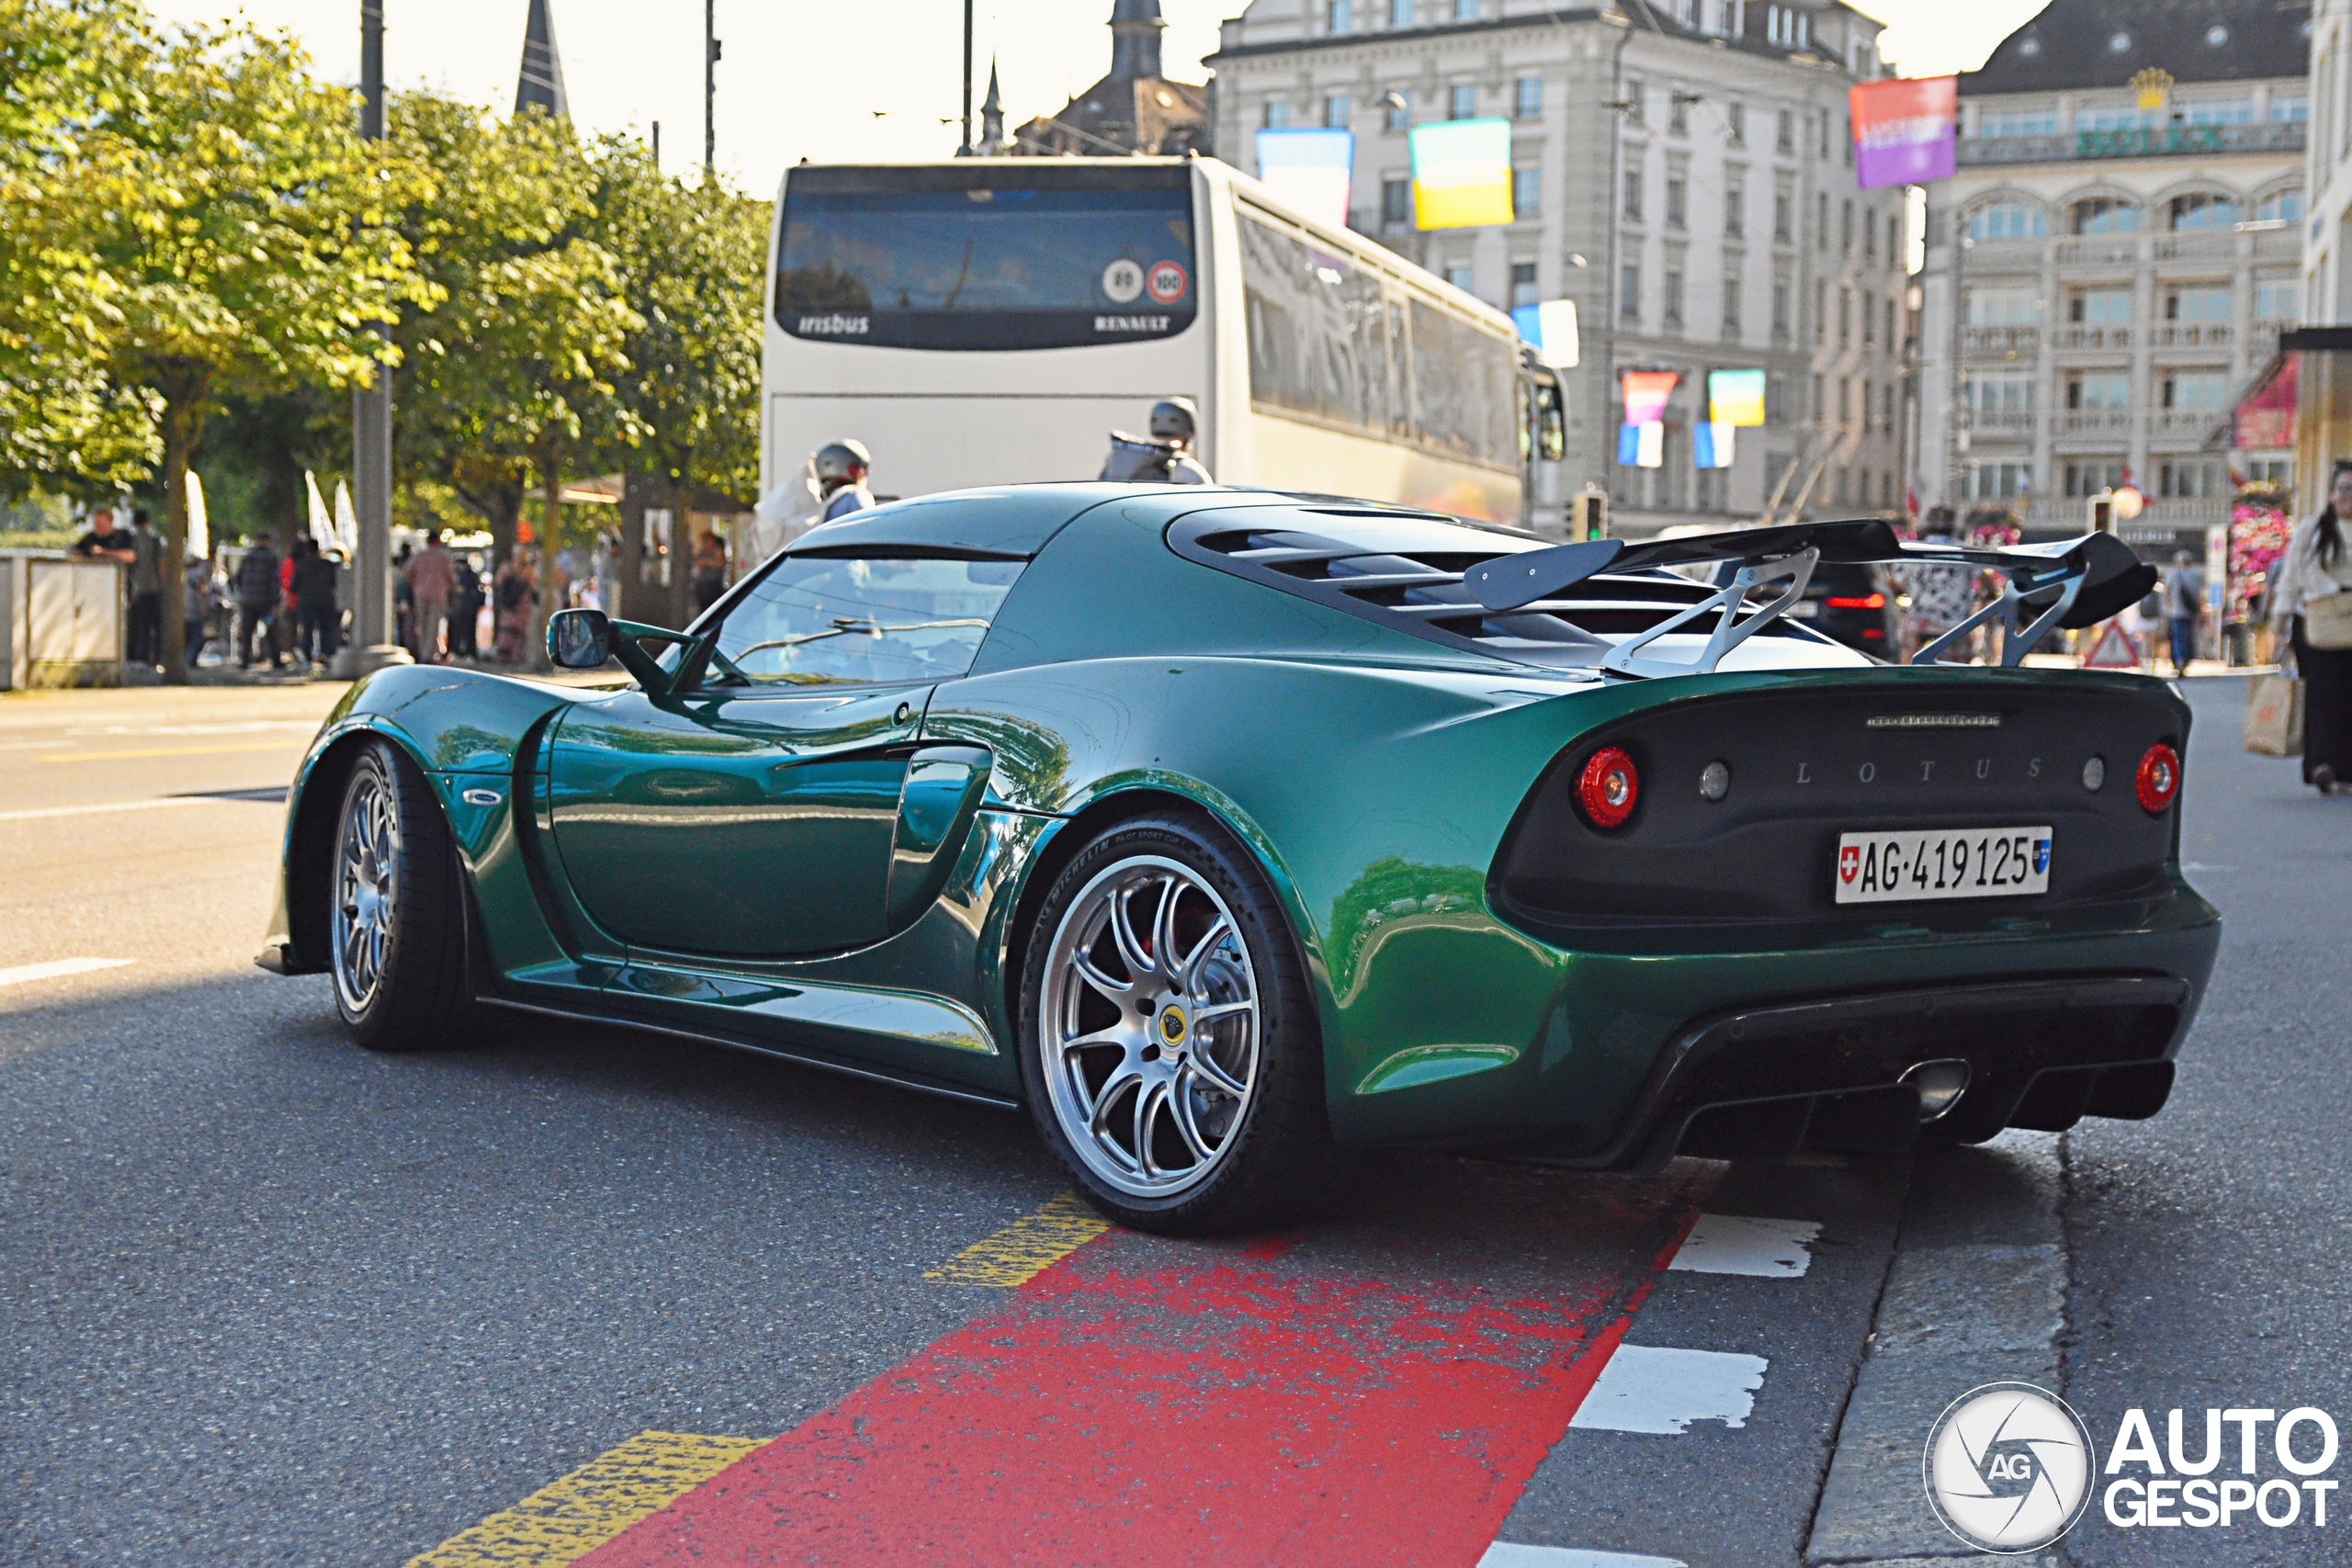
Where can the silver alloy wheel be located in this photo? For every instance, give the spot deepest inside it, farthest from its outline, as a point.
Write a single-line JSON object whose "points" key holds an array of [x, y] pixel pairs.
{"points": [[1148, 1027], [365, 852]]}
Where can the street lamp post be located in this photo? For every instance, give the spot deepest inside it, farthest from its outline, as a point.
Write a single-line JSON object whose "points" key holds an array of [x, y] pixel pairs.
{"points": [[371, 427], [709, 87]]}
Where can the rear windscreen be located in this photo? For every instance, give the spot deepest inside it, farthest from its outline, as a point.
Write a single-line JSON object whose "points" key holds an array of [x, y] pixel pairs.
{"points": [[981, 256]]}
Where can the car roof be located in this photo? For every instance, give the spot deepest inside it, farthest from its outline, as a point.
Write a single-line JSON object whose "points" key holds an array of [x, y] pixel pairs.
{"points": [[1013, 521]]}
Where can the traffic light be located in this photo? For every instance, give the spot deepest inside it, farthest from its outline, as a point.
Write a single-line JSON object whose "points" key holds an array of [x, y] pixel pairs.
{"points": [[1588, 514]]}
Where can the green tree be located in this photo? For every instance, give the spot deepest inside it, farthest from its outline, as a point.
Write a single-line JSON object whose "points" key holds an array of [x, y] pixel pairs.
{"points": [[242, 222], [68, 69], [500, 373]]}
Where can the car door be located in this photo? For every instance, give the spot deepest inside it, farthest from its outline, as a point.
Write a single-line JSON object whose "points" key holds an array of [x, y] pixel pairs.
{"points": [[755, 814]]}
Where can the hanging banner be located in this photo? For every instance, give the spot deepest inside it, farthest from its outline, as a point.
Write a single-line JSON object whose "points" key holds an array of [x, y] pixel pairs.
{"points": [[346, 523], [1461, 173], [1641, 445], [1904, 131], [1735, 397], [1645, 394], [322, 529], [1712, 444], [199, 522], [1308, 171], [1550, 329]]}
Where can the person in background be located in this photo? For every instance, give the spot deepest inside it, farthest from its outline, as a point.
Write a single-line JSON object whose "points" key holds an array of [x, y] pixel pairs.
{"points": [[146, 590], [105, 541], [318, 619], [432, 578], [710, 570], [1166, 457], [199, 596], [841, 469], [465, 608], [1938, 593], [2306, 585], [257, 596], [2184, 602], [403, 603], [517, 598]]}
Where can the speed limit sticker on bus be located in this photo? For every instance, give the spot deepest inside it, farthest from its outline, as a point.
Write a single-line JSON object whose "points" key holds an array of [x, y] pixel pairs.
{"points": [[1167, 282], [1943, 862]]}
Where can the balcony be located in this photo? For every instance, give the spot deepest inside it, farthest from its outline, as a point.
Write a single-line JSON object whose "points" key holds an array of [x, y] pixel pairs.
{"points": [[2150, 141], [2000, 340], [2090, 337], [2189, 334], [1997, 422], [2079, 424], [2173, 426]]}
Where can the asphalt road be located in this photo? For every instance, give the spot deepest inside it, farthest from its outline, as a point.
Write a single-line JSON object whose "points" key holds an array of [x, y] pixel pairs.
{"points": [[272, 1299]]}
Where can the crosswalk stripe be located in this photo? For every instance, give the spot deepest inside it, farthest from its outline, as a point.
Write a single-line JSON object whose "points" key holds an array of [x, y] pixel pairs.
{"points": [[1656, 1389], [567, 1518], [1510, 1554], [1741, 1244], [57, 969]]}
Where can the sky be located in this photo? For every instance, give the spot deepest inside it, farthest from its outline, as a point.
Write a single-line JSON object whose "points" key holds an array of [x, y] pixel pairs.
{"points": [[839, 83]]}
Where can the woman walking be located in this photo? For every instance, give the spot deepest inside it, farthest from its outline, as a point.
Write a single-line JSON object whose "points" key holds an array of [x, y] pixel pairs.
{"points": [[2310, 601], [517, 595]]}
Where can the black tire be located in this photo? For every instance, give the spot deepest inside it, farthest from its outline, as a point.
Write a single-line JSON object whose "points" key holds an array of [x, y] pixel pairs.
{"points": [[396, 912], [1274, 1162]]}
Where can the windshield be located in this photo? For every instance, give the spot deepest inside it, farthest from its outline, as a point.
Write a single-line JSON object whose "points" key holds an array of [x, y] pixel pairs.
{"points": [[817, 620], [976, 258]]}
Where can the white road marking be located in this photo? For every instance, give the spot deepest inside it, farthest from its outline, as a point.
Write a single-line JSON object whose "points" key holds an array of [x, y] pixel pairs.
{"points": [[1645, 1388], [1737, 1244], [1508, 1554], [57, 969], [122, 806]]}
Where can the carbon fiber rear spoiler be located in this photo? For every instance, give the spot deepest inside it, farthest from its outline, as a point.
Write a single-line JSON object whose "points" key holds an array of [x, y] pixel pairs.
{"points": [[2068, 584]]}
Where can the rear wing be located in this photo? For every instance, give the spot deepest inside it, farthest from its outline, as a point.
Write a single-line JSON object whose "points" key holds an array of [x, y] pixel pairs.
{"points": [[2068, 583]]}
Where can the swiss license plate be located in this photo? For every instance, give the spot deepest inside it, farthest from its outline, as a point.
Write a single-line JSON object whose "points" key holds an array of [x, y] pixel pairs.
{"points": [[1942, 863]]}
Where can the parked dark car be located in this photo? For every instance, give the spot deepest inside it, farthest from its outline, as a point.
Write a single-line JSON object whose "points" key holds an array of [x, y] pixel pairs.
{"points": [[1852, 604]]}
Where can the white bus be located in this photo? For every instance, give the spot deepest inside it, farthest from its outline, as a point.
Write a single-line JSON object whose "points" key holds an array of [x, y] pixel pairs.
{"points": [[992, 320]]}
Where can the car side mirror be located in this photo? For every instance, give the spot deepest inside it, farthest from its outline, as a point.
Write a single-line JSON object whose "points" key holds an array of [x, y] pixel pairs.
{"points": [[580, 639]]}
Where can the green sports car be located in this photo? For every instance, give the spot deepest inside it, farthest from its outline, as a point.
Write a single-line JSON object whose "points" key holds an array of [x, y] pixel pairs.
{"points": [[1227, 830]]}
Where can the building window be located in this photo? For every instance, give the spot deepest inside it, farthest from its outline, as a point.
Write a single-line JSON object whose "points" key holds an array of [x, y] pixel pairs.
{"points": [[1869, 239], [1633, 195], [1786, 141], [1846, 229], [2089, 476], [1526, 193], [1849, 142], [2192, 479], [2204, 210], [1820, 406], [1735, 208], [2289, 108], [1395, 201], [1780, 312], [1678, 112], [2099, 392], [1820, 311], [1782, 218], [1633, 94], [2113, 117], [2099, 307], [1461, 275], [2105, 215], [2196, 389], [1678, 203], [2276, 299], [1464, 104], [1890, 340], [1869, 325], [2018, 122], [1845, 317], [1821, 221], [1277, 114], [1781, 26], [2280, 207], [1629, 292], [1466, 10], [2229, 111], [1400, 114], [1999, 482], [1343, 15], [1731, 307], [2008, 220], [2279, 471], [1335, 112], [2003, 306], [1736, 123], [1673, 296], [2198, 302], [1522, 283], [1894, 243], [1400, 13], [1998, 394], [1527, 99]]}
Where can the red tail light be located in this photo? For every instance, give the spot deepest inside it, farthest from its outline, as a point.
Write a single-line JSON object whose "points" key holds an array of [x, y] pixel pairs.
{"points": [[1608, 787], [2158, 780], [1874, 602]]}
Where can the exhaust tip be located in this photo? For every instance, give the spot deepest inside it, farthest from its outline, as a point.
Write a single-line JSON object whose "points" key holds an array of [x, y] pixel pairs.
{"points": [[1939, 1083]]}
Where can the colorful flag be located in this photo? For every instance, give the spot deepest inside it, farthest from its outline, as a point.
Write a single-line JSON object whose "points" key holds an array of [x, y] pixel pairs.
{"points": [[1309, 170], [1641, 445], [1550, 329], [1461, 173], [1903, 130], [1645, 394], [1712, 444], [199, 522], [1735, 397]]}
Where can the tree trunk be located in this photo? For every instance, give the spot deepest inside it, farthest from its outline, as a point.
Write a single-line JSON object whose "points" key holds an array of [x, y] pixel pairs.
{"points": [[179, 440], [551, 586]]}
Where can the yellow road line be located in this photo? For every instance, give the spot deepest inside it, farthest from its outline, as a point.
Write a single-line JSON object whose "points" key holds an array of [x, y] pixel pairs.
{"points": [[566, 1519], [293, 741], [1026, 1247]]}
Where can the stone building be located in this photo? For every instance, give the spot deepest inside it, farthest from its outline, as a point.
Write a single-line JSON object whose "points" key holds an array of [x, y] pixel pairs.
{"points": [[1684, 173], [1133, 109], [2129, 204]]}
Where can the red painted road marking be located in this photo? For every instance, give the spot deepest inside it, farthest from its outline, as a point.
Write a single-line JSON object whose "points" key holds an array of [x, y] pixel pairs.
{"points": [[1144, 1404]]}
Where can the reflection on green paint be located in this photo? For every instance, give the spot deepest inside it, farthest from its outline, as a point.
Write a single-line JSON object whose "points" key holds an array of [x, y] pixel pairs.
{"points": [[1435, 1064]]}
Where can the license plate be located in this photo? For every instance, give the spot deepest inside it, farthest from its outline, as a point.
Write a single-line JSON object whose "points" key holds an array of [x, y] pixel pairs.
{"points": [[1942, 863], [1804, 610]]}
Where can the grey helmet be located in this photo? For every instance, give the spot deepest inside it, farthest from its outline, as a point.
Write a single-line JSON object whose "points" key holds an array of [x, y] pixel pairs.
{"points": [[1174, 419], [843, 460]]}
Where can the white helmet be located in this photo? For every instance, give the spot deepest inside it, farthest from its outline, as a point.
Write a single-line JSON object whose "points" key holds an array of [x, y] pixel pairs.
{"points": [[843, 460], [1174, 419]]}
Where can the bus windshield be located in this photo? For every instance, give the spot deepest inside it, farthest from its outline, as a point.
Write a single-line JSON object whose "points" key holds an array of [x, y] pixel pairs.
{"points": [[976, 257]]}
